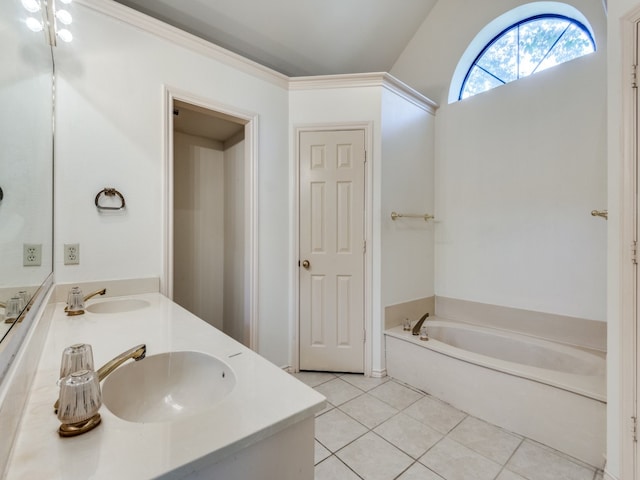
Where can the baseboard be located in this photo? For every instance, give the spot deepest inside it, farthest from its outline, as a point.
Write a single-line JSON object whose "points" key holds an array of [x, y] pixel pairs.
{"points": [[379, 373], [608, 476], [288, 368]]}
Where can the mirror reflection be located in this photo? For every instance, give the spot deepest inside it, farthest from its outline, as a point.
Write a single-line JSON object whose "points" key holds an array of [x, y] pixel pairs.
{"points": [[26, 160]]}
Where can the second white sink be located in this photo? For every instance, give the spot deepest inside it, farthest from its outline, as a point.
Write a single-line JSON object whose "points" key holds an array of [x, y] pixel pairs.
{"points": [[117, 306], [167, 386]]}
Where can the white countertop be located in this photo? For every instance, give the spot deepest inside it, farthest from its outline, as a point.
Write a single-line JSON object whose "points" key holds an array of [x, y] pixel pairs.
{"points": [[265, 400]]}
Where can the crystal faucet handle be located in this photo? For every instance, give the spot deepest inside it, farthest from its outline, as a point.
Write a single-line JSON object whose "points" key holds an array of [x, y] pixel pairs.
{"points": [[13, 308], [76, 357], [80, 397], [75, 301]]}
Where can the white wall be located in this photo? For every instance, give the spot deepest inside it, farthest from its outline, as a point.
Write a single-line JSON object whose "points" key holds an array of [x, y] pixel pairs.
{"points": [[111, 82], [199, 227], [407, 172], [518, 171], [236, 308]]}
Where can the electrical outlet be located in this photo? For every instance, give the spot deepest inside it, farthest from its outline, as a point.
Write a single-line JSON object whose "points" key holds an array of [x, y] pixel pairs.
{"points": [[71, 253], [31, 255]]}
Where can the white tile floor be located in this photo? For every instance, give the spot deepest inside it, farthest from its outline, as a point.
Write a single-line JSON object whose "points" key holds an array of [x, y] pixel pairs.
{"points": [[381, 429]]}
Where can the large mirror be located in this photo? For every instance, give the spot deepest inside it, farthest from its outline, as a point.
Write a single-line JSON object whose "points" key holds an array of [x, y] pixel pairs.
{"points": [[26, 161]]}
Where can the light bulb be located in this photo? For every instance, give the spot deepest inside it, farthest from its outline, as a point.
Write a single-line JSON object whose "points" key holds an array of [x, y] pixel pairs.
{"points": [[64, 17], [34, 24], [65, 35], [32, 6]]}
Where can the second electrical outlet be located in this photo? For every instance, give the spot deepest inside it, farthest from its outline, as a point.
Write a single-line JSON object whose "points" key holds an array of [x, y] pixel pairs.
{"points": [[71, 253]]}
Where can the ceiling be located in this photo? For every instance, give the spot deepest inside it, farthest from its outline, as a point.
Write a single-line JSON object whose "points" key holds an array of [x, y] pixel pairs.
{"points": [[300, 37]]}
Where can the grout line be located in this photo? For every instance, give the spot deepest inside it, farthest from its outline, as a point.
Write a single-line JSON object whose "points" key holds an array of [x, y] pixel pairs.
{"points": [[466, 415], [403, 471], [560, 454], [398, 447], [502, 430], [423, 395], [347, 465], [510, 457]]}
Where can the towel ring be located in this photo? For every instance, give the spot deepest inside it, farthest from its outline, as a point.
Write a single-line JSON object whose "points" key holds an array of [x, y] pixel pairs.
{"points": [[109, 192]]}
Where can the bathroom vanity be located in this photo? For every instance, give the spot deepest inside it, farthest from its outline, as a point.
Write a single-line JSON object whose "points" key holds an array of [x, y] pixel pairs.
{"points": [[262, 428]]}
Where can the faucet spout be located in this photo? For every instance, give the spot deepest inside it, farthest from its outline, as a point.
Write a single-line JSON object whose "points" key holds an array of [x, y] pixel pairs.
{"points": [[97, 292], [416, 327], [135, 353]]}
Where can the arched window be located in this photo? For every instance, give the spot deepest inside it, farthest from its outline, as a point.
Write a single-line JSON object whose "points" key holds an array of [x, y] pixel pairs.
{"points": [[524, 47]]}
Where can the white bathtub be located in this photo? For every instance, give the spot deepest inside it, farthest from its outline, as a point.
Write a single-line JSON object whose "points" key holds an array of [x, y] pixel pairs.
{"points": [[552, 393]]}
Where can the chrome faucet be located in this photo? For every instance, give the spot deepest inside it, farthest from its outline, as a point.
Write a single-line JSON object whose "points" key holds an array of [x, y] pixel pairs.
{"points": [[416, 327], [135, 353]]}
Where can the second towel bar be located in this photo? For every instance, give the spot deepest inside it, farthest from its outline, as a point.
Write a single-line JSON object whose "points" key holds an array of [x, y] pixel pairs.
{"points": [[425, 216]]}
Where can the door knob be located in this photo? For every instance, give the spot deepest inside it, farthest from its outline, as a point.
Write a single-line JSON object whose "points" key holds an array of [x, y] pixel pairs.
{"points": [[306, 264]]}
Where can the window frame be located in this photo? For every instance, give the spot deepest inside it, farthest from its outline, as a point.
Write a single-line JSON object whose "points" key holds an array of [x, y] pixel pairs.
{"points": [[489, 29], [517, 25]]}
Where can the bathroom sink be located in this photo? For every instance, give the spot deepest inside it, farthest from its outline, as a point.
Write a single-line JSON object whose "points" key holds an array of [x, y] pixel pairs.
{"points": [[117, 306], [167, 387]]}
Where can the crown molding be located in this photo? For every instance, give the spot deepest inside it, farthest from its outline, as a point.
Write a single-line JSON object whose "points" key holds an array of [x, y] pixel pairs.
{"points": [[196, 44], [359, 80], [180, 37]]}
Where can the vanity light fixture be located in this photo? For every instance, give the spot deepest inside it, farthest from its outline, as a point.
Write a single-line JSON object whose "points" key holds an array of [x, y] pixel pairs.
{"points": [[54, 19], [61, 19], [31, 6], [64, 35], [64, 17], [34, 24]]}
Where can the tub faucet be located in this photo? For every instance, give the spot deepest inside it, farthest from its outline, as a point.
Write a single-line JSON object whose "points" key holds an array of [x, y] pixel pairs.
{"points": [[416, 327]]}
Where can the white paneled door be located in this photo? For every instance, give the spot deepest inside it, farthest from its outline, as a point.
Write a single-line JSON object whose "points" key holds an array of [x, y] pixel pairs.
{"points": [[332, 248]]}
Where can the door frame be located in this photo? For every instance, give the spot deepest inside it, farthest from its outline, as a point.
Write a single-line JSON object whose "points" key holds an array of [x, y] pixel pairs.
{"points": [[367, 127], [250, 198], [628, 231]]}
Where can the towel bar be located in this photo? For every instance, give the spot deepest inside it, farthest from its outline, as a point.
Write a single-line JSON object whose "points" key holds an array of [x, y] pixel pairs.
{"points": [[426, 217]]}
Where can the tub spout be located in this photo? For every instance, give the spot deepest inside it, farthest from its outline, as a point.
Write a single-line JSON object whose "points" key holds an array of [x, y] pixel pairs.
{"points": [[135, 353], [416, 327]]}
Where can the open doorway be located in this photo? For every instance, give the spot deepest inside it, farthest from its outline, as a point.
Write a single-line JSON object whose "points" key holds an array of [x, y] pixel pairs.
{"points": [[209, 264]]}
